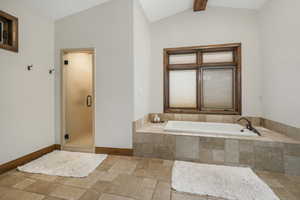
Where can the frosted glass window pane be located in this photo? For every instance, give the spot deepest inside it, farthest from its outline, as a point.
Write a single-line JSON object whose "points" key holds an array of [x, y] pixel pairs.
{"points": [[218, 88], [215, 57], [183, 89], [183, 59]]}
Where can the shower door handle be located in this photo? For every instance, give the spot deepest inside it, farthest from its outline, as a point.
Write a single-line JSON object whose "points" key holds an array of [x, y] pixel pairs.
{"points": [[89, 101]]}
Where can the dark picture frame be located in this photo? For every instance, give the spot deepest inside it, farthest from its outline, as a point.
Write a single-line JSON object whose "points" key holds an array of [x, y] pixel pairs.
{"points": [[9, 32]]}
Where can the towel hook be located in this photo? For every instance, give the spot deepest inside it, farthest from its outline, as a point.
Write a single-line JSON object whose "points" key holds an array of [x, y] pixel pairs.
{"points": [[29, 67], [51, 71]]}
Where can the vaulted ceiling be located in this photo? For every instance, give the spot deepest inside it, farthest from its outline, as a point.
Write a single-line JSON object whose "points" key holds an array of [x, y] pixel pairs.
{"points": [[154, 9], [159, 9], [57, 9]]}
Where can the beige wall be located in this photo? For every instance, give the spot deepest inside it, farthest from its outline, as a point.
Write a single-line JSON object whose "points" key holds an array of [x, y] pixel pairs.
{"points": [[109, 29], [280, 31], [142, 56], [27, 103], [214, 26]]}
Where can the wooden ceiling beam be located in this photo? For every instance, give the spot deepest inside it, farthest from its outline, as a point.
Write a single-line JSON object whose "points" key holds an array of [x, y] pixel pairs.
{"points": [[200, 5]]}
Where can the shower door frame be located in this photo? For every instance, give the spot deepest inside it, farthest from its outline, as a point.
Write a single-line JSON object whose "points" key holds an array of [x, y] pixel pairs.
{"points": [[63, 97]]}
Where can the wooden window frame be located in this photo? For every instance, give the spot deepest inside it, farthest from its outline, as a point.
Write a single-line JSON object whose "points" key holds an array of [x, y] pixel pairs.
{"points": [[11, 26], [236, 65]]}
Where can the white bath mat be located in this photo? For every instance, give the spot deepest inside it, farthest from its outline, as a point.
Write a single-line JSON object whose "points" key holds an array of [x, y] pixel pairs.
{"points": [[64, 163], [232, 183]]}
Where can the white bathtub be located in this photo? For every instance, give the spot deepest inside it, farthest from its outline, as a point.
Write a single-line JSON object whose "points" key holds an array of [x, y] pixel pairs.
{"points": [[207, 128]]}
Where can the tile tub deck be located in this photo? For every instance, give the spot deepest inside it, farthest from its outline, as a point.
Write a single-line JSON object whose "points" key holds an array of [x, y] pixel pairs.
{"points": [[272, 152]]}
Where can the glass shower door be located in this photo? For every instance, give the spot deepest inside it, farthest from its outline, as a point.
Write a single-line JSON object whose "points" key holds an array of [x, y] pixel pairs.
{"points": [[78, 69]]}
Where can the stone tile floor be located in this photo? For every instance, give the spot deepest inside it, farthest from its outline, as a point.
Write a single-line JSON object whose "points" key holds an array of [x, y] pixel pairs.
{"points": [[121, 178]]}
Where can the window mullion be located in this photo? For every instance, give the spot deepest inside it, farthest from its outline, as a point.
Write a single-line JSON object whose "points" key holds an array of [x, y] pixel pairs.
{"points": [[199, 79]]}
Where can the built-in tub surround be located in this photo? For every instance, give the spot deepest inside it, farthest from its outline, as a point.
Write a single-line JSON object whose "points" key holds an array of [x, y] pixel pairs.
{"points": [[256, 121], [272, 151], [208, 128], [292, 132], [287, 130]]}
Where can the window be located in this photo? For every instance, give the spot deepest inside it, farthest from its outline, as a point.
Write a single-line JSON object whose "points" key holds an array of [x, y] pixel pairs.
{"points": [[8, 32], [204, 79]]}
